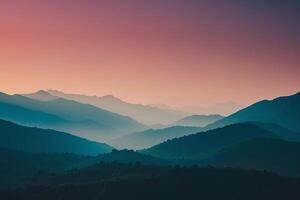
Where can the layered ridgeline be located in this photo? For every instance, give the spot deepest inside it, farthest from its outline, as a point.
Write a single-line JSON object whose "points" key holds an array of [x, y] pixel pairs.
{"points": [[143, 113], [244, 145], [16, 137], [40, 119], [280, 116], [204, 144], [66, 115], [151, 137], [284, 111], [198, 120]]}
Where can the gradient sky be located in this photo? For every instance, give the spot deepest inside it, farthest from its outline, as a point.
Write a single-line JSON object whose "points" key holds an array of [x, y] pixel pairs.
{"points": [[178, 52]]}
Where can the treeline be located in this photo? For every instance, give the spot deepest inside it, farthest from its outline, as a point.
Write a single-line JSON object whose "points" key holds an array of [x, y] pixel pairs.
{"points": [[136, 181]]}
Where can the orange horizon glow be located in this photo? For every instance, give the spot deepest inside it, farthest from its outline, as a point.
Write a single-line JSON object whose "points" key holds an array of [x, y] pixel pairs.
{"points": [[173, 52]]}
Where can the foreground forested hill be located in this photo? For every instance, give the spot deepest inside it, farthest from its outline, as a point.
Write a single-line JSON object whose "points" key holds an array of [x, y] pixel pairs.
{"points": [[119, 181]]}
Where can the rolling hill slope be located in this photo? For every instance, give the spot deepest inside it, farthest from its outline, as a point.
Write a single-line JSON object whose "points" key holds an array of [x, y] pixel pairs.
{"points": [[204, 144], [263, 154]]}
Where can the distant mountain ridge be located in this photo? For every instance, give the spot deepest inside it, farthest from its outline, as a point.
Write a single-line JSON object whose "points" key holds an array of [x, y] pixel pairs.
{"points": [[198, 120], [41, 95], [145, 114], [150, 137], [222, 108]]}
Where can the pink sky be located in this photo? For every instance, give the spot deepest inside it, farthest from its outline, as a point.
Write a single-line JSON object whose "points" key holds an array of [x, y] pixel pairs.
{"points": [[174, 52]]}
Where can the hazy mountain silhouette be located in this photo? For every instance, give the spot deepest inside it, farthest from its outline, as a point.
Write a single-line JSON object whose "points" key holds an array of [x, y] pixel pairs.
{"points": [[224, 108], [97, 123], [41, 95], [198, 120], [263, 154], [143, 113], [204, 144], [13, 136], [148, 138], [284, 111], [151, 137]]}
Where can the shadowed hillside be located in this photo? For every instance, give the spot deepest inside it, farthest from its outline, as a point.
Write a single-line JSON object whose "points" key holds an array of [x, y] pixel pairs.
{"points": [[13, 136], [27, 117], [204, 144], [263, 154], [16, 167]]}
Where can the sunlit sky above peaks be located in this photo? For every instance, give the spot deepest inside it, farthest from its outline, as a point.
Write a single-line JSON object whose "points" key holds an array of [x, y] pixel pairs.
{"points": [[177, 52]]}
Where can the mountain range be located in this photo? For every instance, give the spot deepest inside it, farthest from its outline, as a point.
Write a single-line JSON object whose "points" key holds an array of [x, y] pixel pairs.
{"points": [[264, 136], [283, 107], [145, 114], [66, 115]]}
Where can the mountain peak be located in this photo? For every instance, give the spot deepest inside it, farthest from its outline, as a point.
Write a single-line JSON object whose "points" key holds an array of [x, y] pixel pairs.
{"points": [[41, 95], [42, 92]]}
